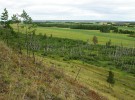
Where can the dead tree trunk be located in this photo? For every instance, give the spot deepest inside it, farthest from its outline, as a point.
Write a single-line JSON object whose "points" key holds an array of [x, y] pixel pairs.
{"points": [[78, 73]]}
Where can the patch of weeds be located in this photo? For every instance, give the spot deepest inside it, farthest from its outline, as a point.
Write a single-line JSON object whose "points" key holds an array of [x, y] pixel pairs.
{"points": [[73, 71], [57, 76], [31, 95]]}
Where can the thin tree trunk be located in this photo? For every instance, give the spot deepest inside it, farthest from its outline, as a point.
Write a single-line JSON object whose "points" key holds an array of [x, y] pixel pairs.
{"points": [[34, 56], [19, 44], [27, 42], [78, 73]]}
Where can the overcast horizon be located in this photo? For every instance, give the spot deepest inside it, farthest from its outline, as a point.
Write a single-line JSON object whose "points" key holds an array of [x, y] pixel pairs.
{"points": [[117, 10]]}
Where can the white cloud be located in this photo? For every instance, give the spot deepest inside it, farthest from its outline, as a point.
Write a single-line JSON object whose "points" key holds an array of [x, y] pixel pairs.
{"points": [[71, 9]]}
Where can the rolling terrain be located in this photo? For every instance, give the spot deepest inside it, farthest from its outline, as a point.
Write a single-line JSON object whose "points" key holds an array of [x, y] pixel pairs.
{"points": [[67, 59], [79, 34], [90, 76]]}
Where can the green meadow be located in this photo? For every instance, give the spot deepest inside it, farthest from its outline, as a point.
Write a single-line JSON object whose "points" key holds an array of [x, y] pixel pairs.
{"points": [[79, 34]]}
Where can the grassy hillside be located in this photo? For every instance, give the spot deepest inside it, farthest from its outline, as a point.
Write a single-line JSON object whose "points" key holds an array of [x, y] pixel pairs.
{"points": [[51, 78], [90, 76], [95, 78], [66, 60], [21, 79]]}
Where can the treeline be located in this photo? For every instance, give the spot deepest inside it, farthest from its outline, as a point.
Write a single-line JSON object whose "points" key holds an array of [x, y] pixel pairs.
{"points": [[126, 31], [121, 31], [51, 24], [102, 28]]}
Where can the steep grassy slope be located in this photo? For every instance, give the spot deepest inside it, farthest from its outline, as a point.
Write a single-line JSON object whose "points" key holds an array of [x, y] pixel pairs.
{"points": [[95, 78], [21, 79]]}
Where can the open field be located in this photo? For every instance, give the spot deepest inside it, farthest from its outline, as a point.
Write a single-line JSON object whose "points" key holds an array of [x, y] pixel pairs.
{"points": [[80, 34], [77, 34]]}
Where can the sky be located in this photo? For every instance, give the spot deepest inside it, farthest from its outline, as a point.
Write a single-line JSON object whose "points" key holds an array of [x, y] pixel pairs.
{"points": [[118, 10]]}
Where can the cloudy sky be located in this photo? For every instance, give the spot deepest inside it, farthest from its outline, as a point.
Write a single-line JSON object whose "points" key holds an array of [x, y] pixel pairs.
{"points": [[123, 10]]}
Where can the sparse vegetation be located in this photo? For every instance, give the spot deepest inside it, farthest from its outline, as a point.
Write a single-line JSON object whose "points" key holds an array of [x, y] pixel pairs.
{"points": [[95, 40], [22, 79]]}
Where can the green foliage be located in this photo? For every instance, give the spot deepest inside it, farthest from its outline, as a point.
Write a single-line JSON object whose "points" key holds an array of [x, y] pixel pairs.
{"points": [[26, 18], [105, 29], [4, 17], [15, 18], [108, 43], [110, 78], [24, 15], [126, 31]]}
